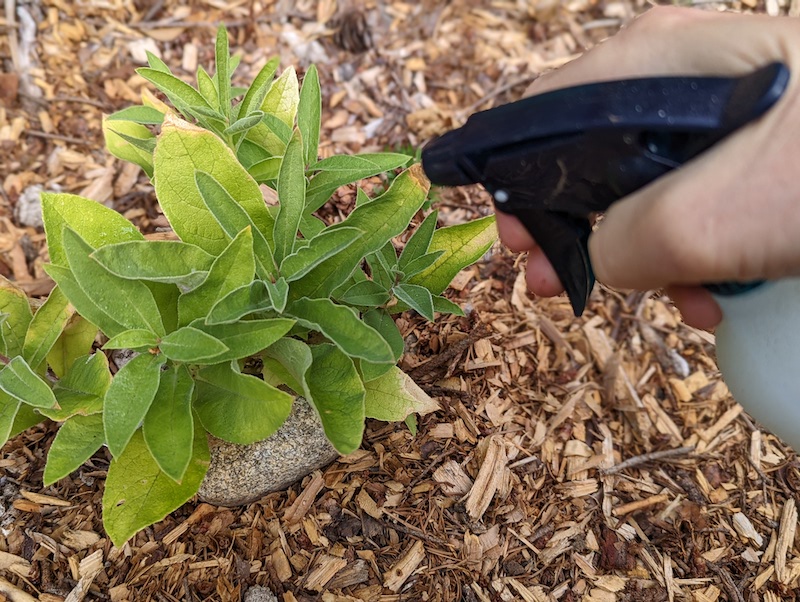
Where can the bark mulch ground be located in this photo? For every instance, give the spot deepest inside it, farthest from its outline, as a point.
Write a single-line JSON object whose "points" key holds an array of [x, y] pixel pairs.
{"points": [[596, 459]]}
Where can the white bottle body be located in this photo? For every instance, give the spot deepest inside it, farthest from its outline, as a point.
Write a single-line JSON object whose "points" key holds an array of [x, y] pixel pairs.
{"points": [[758, 352]]}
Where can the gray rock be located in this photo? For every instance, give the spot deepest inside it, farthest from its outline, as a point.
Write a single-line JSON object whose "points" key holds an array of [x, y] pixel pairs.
{"points": [[29, 206], [240, 474], [258, 593]]}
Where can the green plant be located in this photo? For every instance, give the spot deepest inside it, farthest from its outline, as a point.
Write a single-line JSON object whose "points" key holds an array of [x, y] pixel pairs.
{"points": [[313, 302]]}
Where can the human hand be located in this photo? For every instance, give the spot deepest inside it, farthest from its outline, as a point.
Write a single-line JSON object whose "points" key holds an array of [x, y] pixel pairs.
{"points": [[732, 214]]}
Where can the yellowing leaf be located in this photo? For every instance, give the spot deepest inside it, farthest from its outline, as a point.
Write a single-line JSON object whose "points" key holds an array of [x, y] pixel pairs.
{"points": [[393, 396]]}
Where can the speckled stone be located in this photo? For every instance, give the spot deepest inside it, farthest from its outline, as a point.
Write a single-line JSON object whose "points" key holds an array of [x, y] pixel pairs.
{"points": [[240, 474], [257, 593]]}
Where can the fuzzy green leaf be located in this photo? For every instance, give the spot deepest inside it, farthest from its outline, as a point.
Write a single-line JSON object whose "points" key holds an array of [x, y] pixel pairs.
{"points": [[393, 396], [416, 297], [340, 170], [240, 302], [15, 318], [382, 219], [207, 87], [258, 89], [82, 390], [9, 408], [140, 340], [156, 63], [74, 341], [420, 241], [280, 107], [286, 362], [238, 407], [189, 344], [223, 75], [18, 380], [137, 493], [291, 193], [463, 245], [420, 264], [244, 124], [129, 301], [168, 427], [183, 149], [278, 292], [338, 394], [365, 293], [382, 321], [309, 112], [120, 137], [233, 219], [266, 169], [343, 327], [46, 326], [77, 440], [445, 306], [235, 267], [95, 223], [140, 114], [182, 95], [128, 399], [156, 260], [82, 302], [245, 338], [323, 246]]}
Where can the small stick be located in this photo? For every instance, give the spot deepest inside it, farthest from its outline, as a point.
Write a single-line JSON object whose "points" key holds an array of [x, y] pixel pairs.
{"points": [[479, 332], [69, 139], [730, 587], [657, 455]]}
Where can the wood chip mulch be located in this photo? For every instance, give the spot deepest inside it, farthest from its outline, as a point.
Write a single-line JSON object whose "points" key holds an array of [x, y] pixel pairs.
{"points": [[596, 459]]}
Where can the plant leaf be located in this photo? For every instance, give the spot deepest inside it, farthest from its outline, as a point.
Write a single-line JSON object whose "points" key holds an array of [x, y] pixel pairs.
{"points": [[15, 318], [82, 302], [420, 240], [207, 87], [185, 98], [233, 219], [393, 396], [168, 427], [382, 321], [138, 494], [74, 341], [46, 326], [77, 441], [238, 407], [258, 89], [283, 97], [96, 224], [183, 149], [240, 302], [291, 193], [18, 380], [343, 327], [119, 136], [234, 267], [244, 124], [288, 361], [246, 338], [156, 260], [9, 408], [338, 395], [421, 263], [156, 63], [309, 113], [128, 398], [339, 170], [189, 344], [140, 114], [416, 297], [323, 246], [266, 169], [131, 300], [82, 390], [463, 245], [365, 293], [278, 293], [223, 75], [382, 219], [445, 306]]}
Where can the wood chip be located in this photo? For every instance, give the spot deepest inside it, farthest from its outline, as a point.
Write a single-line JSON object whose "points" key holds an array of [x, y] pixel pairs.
{"points": [[489, 479], [788, 526], [323, 571], [397, 575]]}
